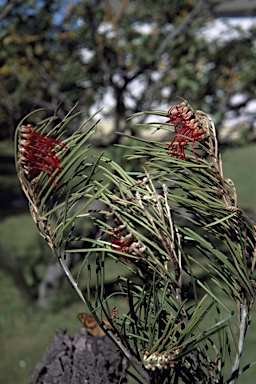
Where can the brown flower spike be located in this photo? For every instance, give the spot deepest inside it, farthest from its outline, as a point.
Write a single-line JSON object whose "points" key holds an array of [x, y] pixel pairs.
{"points": [[188, 125], [37, 152], [122, 240]]}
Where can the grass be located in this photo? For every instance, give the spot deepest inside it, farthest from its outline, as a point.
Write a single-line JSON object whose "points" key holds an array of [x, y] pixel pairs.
{"points": [[239, 166], [27, 332]]}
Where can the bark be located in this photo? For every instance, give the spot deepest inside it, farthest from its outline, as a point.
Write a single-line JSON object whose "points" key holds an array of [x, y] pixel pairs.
{"points": [[80, 358]]}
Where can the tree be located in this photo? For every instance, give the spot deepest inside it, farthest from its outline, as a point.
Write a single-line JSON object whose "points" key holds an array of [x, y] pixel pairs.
{"points": [[32, 59], [96, 51]]}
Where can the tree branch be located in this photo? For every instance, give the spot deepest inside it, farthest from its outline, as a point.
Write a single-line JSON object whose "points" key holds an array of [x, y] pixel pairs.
{"points": [[242, 330], [7, 9], [181, 27]]}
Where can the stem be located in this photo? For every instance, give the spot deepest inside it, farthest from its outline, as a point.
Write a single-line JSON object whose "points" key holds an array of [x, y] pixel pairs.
{"points": [[243, 326]]}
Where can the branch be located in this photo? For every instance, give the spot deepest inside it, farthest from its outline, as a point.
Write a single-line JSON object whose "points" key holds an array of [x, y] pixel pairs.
{"points": [[242, 327], [7, 9], [51, 85], [181, 28]]}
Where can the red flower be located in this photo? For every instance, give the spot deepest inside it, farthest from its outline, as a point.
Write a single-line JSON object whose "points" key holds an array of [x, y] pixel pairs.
{"points": [[36, 152], [188, 127]]}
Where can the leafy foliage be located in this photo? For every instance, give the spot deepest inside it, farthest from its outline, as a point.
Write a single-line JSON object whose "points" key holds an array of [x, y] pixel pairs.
{"points": [[174, 227], [131, 54]]}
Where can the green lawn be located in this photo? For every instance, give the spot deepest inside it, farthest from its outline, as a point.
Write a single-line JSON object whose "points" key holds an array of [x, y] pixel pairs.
{"points": [[25, 333], [239, 165]]}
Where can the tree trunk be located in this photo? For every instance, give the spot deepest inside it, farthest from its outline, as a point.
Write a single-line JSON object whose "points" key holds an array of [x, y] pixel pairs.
{"points": [[80, 358]]}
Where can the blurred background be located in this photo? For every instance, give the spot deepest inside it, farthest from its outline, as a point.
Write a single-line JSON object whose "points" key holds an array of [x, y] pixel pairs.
{"points": [[126, 56]]}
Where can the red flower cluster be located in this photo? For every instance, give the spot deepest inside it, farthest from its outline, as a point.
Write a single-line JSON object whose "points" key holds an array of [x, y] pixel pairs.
{"points": [[36, 152], [188, 127]]}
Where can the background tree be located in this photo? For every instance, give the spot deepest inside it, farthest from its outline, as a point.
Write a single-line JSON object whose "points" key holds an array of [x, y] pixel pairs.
{"points": [[122, 54]]}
